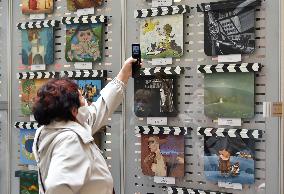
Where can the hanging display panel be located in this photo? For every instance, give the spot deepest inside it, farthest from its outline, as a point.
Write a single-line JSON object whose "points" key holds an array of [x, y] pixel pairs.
{"points": [[26, 141], [37, 6], [28, 181], [84, 38], [229, 27], [73, 5]]}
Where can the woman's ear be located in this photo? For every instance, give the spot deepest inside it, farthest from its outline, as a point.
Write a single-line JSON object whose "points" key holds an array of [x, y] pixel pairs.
{"points": [[74, 111]]}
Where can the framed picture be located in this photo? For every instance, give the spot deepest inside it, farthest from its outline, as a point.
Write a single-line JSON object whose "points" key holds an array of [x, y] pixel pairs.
{"points": [[38, 42], [160, 154], [26, 145], [229, 154], [84, 40], [37, 6], [73, 5], [28, 181], [90, 89], [229, 27], [161, 37]]}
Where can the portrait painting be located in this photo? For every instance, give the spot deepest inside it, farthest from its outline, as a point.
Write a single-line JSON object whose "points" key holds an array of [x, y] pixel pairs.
{"points": [[90, 89], [229, 159], [37, 46], [84, 42], [162, 155], [26, 145], [155, 97], [162, 37], [28, 94], [229, 95], [37, 6], [229, 27], [73, 5]]}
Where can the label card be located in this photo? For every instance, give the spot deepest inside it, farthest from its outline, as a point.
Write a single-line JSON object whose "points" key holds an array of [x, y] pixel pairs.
{"points": [[159, 3], [230, 121], [230, 185], [37, 16], [87, 11], [39, 67], [229, 58], [162, 61], [32, 118], [32, 167], [165, 180], [157, 120], [83, 65]]}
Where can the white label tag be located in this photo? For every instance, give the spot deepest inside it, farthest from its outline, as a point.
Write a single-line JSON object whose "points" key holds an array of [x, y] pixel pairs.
{"points": [[37, 16], [230, 121], [32, 118], [230, 185], [32, 167], [39, 67], [83, 65], [165, 180], [87, 11], [162, 61], [157, 3], [229, 58], [157, 120]]}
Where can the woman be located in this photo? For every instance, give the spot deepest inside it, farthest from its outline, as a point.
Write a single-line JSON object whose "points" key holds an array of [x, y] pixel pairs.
{"points": [[69, 161]]}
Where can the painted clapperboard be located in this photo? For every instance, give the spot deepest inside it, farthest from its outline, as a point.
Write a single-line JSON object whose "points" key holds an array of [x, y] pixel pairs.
{"points": [[229, 27], [229, 154], [84, 38], [38, 42], [182, 190], [26, 139], [161, 31], [229, 89], [90, 83], [28, 181], [169, 142], [155, 92]]}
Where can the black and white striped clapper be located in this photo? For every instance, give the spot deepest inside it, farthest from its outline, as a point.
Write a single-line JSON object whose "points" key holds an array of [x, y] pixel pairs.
{"points": [[84, 73], [90, 19], [38, 24], [231, 68], [177, 190], [163, 70], [37, 75], [161, 11], [27, 125], [159, 130], [222, 132]]}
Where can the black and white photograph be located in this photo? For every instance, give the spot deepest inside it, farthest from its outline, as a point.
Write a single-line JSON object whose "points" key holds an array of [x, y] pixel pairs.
{"points": [[229, 27]]}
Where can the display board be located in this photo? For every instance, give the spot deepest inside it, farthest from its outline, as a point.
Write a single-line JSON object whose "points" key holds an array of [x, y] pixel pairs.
{"points": [[36, 49], [190, 90]]}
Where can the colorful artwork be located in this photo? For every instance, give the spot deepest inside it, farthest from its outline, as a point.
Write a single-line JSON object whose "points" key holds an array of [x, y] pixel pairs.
{"points": [[229, 27], [229, 95], [229, 159], [73, 5], [161, 155], [90, 89], [37, 6], [28, 182], [37, 46], [154, 97], [162, 37], [84, 42], [26, 145], [29, 91]]}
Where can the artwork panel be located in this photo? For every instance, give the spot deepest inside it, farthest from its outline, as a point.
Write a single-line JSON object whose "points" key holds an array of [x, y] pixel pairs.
{"points": [[162, 37], [37, 6], [162, 155], [229, 95], [26, 144], [84, 42], [73, 5], [38, 46], [90, 89]]}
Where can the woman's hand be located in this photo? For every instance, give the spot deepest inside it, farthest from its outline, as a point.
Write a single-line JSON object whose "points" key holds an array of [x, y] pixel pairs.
{"points": [[126, 70]]}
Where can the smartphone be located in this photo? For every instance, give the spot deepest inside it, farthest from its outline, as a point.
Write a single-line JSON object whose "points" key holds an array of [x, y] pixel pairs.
{"points": [[136, 54]]}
